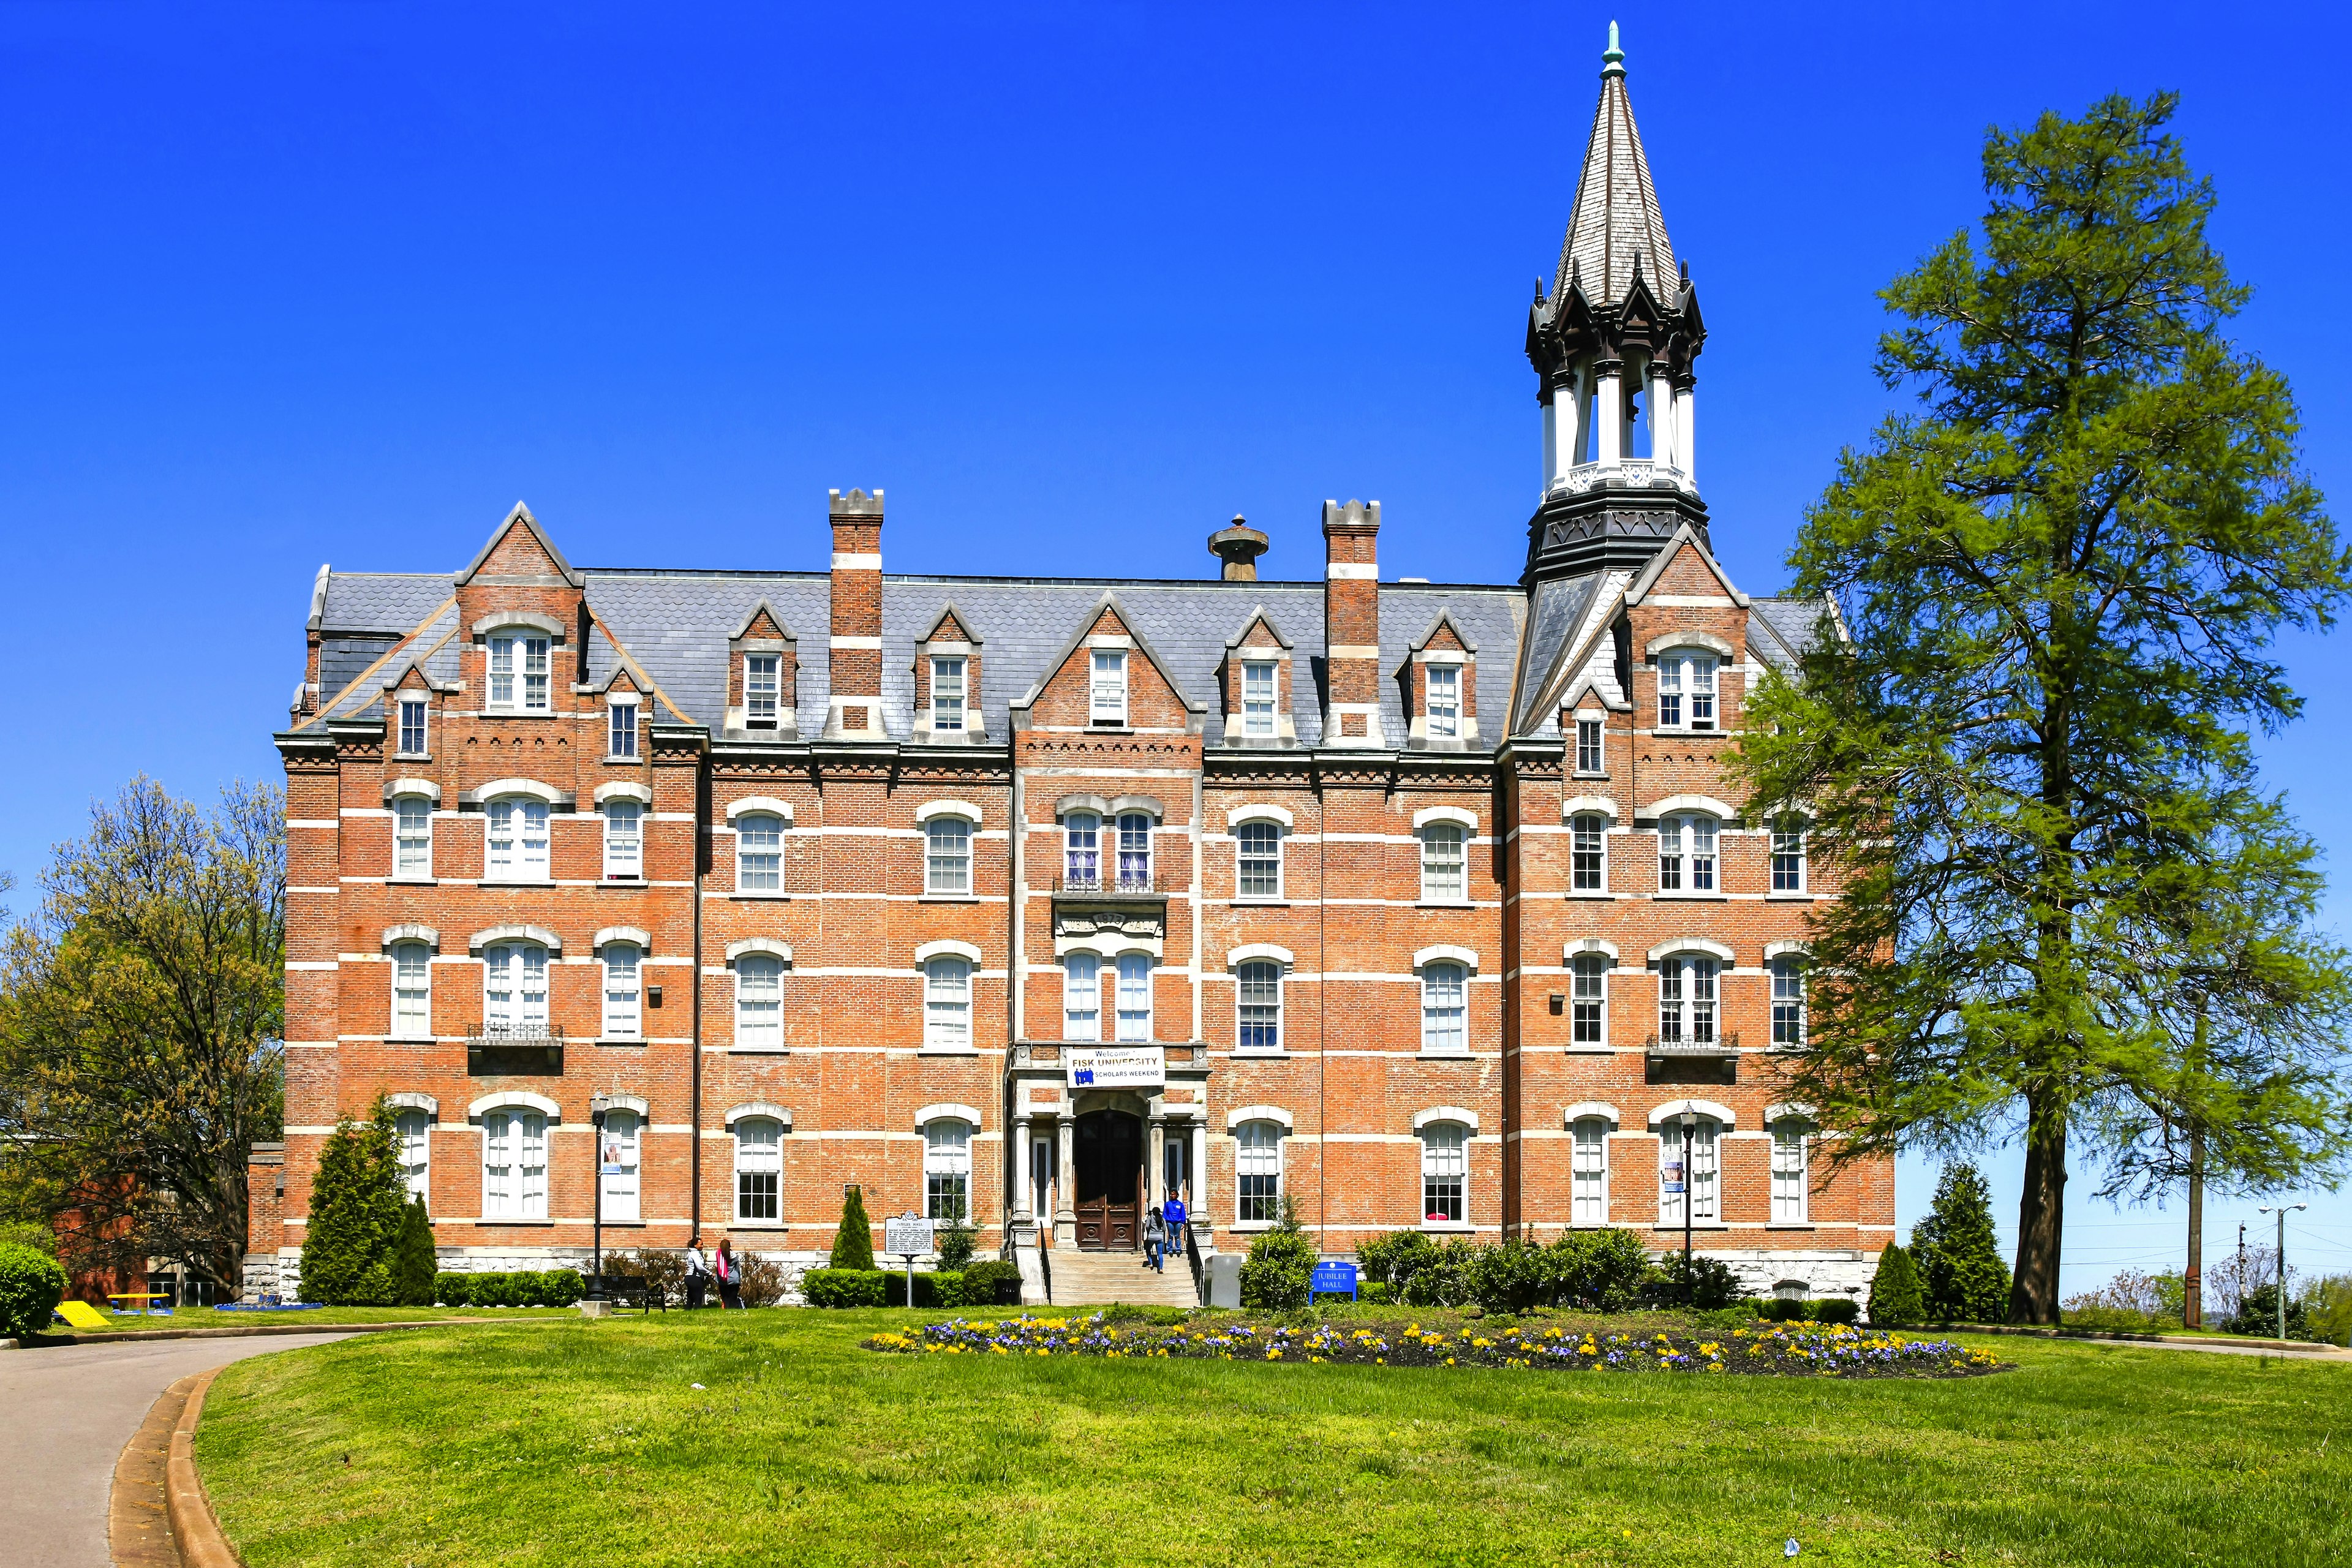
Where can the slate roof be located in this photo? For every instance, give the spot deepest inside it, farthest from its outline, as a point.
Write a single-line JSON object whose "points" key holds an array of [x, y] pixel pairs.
{"points": [[1796, 622], [1616, 217]]}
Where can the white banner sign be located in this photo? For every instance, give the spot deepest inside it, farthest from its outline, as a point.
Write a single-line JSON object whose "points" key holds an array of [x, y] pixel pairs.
{"points": [[1120, 1067], [906, 1236]]}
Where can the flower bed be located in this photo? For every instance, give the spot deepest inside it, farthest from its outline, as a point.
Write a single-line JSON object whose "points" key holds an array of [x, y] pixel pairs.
{"points": [[1777, 1350]]}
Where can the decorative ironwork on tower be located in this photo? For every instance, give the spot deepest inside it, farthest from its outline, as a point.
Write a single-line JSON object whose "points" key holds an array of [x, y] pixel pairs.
{"points": [[1613, 343]]}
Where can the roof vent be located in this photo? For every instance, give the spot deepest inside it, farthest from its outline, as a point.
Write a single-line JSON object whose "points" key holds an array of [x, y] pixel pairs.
{"points": [[1238, 546]]}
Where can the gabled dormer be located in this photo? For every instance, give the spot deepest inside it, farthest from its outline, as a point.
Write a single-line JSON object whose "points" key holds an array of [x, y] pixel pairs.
{"points": [[947, 683], [1438, 678], [519, 602], [764, 678], [411, 703], [1108, 676], [1254, 679]]}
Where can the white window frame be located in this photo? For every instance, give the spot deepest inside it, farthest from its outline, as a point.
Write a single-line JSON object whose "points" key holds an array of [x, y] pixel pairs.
{"points": [[514, 990], [1789, 1003], [948, 693], [1702, 1182], [1134, 847], [1261, 684], [513, 1185], [1442, 706], [1444, 853], [624, 1135], [625, 840], [518, 838], [412, 852], [1588, 1171], [947, 1169], [1258, 1157], [1789, 859], [1082, 997], [1135, 976], [1791, 1172], [623, 967], [758, 1001], [523, 657], [947, 857], [1588, 1000], [1082, 850], [1107, 686], [424, 710], [1258, 1005], [411, 1004], [1445, 1156], [757, 1157], [1689, 858], [947, 1002], [413, 1129], [621, 729], [763, 691], [1262, 830], [1690, 999], [759, 836], [1445, 1008], [1588, 853], [1592, 756], [1687, 691]]}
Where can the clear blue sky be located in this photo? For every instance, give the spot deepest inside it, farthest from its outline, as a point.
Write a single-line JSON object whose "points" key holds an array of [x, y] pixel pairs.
{"points": [[341, 282]]}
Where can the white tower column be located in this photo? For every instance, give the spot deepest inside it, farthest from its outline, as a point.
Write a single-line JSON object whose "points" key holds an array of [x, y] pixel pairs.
{"points": [[1065, 1198], [1552, 465], [1662, 417], [1609, 413], [1685, 431], [1021, 1197]]}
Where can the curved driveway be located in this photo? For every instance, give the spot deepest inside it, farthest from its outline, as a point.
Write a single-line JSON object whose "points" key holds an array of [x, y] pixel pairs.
{"points": [[64, 1414]]}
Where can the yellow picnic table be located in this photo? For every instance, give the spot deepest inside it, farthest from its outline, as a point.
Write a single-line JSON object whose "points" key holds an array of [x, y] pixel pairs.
{"points": [[146, 1297], [81, 1315]]}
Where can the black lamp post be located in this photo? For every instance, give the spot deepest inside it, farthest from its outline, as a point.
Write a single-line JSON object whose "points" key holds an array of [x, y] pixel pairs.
{"points": [[598, 1104], [1690, 1193]]}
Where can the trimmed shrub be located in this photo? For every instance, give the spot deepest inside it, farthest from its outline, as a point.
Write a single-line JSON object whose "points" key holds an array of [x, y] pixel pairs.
{"points": [[561, 1288], [414, 1261], [1597, 1270], [1280, 1262], [31, 1283], [357, 1200], [1706, 1283], [992, 1284], [1812, 1309], [451, 1289], [1835, 1309], [842, 1286], [1895, 1298], [1371, 1291], [931, 1289], [853, 1244]]}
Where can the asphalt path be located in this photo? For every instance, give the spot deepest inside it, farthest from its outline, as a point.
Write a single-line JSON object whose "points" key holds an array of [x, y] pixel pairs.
{"points": [[64, 1414]]}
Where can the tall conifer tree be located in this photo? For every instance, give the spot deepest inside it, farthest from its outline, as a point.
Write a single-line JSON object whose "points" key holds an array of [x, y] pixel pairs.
{"points": [[2026, 733], [357, 1202], [1957, 1251]]}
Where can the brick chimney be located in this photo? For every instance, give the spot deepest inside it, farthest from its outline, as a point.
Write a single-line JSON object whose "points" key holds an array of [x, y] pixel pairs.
{"points": [[1351, 623], [855, 659]]}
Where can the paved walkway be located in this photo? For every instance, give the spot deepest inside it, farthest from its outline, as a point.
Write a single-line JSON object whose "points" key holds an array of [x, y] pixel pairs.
{"points": [[65, 1414]]}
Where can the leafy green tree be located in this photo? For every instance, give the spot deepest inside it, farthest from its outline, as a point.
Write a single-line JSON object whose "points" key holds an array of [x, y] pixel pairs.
{"points": [[141, 1017], [1957, 1252], [357, 1202], [31, 1285], [1895, 1298], [852, 1245], [414, 1263], [2024, 738]]}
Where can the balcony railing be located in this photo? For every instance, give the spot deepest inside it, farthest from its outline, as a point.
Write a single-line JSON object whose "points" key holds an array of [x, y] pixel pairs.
{"points": [[1720, 1046], [532, 1048], [1124, 883]]}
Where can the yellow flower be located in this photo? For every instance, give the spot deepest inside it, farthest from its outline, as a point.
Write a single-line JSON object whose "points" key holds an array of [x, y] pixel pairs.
{"points": [[1449, 1361]]}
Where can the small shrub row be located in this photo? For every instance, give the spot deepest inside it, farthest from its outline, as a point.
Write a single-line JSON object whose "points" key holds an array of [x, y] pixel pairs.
{"points": [[1825, 1309], [521, 1287], [992, 1284], [1597, 1270]]}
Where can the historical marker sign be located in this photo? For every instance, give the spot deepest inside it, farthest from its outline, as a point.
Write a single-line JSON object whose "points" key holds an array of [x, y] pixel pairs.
{"points": [[908, 1235]]}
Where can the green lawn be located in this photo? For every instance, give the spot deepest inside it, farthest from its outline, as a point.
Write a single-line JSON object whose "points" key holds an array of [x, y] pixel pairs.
{"points": [[317, 1317], [585, 1443]]}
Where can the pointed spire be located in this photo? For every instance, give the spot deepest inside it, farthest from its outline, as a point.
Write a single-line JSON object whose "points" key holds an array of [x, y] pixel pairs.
{"points": [[1616, 217]]}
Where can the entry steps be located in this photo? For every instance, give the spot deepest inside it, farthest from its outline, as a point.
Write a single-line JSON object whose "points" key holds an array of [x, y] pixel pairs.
{"points": [[1099, 1278]]}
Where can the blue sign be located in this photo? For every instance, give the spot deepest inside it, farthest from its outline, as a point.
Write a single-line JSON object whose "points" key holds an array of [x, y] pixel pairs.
{"points": [[1333, 1280]]}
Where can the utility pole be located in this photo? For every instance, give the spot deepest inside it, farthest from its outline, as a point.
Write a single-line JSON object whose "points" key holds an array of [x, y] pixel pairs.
{"points": [[2192, 1294], [2242, 1263], [2282, 1212]]}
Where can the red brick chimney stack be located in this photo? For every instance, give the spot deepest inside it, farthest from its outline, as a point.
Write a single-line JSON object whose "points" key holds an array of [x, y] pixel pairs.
{"points": [[1351, 623], [855, 659]]}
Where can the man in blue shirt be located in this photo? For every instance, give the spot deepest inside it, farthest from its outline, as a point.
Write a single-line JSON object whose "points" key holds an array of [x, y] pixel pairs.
{"points": [[1173, 1212]]}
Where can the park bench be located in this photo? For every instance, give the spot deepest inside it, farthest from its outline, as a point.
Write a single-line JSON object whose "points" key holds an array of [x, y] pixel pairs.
{"points": [[635, 1291]]}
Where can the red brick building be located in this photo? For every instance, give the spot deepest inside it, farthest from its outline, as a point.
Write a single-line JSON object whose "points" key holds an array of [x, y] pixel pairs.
{"points": [[1421, 904]]}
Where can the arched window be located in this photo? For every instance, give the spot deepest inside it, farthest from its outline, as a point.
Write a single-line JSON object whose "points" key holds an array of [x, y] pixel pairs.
{"points": [[617, 1165], [413, 1129], [514, 990], [1588, 1171], [514, 1165], [947, 1169], [625, 859], [1257, 1025], [1444, 1008], [1588, 838], [1082, 850], [1258, 867], [412, 991], [1589, 1003], [1135, 851], [1444, 1172], [759, 1169], [758, 1001], [517, 672], [1700, 1179], [1257, 1168], [1134, 996], [948, 856], [1787, 1000], [1686, 854], [759, 853], [946, 1003], [516, 837], [623, 1018], [1686, 1000], [412, 837], [1790, 1184], [1082, 997], [1685, 690], [1441, 864]]}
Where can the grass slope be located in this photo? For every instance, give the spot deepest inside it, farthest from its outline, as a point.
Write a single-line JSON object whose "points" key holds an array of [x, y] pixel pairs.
{"points": [[318, 1318], [585, 1443]]}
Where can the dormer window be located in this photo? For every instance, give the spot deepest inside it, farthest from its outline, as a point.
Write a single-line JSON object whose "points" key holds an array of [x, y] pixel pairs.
{"points": [[621, 738], [517, 672], [1108, 688], [1588, 745], [1685, 690], [1258, 698], [947, 696], [1445, 702], [412, 726], [763, 687]]}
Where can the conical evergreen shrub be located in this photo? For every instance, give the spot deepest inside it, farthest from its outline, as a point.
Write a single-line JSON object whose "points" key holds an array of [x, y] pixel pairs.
{"points": [[1957, 1252], [852, 1245], [1895, 1300], [356, 1208], [415, 1261]]}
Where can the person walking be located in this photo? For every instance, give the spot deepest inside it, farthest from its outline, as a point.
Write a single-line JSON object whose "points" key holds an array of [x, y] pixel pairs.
{"points": [[1171, 1215], [730, 1280], [696, 1272], [1155, 1241]]}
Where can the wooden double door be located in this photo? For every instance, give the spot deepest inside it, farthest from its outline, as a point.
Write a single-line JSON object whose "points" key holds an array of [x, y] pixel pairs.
{"points": [[1108, 1157]]}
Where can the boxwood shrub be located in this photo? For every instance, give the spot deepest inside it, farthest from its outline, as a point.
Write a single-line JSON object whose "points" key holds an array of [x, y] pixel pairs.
{"points": [[938, 1290], [520, 1288], [31, 1283], [994, 1283], [842, 1286]]}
